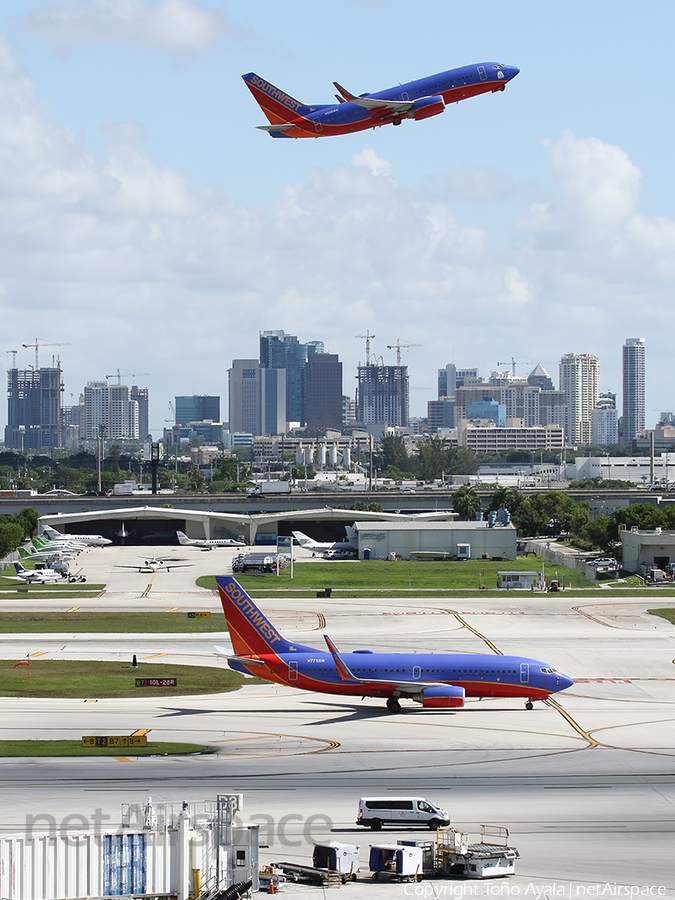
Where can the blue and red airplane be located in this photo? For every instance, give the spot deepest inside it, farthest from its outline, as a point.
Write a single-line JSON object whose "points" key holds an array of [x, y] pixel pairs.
{"points": [[432, 679], [419, 99]]}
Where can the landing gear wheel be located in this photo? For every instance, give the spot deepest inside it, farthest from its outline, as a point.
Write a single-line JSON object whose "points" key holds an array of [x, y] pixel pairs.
{"points": [[529, 705], [396, 122], [393, 705]]}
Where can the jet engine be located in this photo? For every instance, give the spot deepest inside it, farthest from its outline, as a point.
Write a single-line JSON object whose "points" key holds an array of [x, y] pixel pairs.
{"points": [[443, 695], [428, 106]]}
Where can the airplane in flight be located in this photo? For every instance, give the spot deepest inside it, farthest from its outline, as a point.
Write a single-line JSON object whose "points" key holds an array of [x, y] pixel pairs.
{"points": [[436, 680], [207, 543], [156, 565], [90, 540], [417, 100], [307, 543]]}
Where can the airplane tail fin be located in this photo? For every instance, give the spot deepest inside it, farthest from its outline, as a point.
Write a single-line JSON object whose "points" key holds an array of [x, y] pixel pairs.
{"points": [[183, 539], [18, 568], [278, 106], [302, 539], [23, 553], [39, 543], [250, 630]]}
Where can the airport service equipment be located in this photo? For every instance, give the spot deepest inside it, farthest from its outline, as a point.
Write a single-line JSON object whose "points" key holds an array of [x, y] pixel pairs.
{"points": [[255, 562], [398, 861], [337, 857], [490, 857]]}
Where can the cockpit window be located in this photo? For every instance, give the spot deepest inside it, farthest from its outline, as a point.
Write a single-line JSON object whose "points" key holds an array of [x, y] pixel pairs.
{"points": [[548, 670], [498, 66]]}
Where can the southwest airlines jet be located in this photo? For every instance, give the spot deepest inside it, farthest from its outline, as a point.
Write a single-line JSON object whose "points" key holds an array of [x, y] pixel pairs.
{"points": [[432, 679], [415, 100]]}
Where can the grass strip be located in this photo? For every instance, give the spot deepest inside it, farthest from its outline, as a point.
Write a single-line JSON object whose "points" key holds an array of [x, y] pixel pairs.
{"points": [[373, 576], [96, 680], [75, 748], [668, 614], [85, 621]]}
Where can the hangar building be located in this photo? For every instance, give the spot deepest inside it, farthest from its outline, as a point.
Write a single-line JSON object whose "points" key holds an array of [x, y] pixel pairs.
{"points": [[423, 539]]}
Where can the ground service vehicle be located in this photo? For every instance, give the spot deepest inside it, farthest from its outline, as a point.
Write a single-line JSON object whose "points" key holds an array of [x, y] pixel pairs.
{"points": [[374, 812]]}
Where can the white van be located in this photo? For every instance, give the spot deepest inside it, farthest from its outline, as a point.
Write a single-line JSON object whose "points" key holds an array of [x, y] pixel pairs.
{"points": [[374, 812]]}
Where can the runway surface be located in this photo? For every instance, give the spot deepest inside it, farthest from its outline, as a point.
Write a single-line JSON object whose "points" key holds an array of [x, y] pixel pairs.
{"points": [[585, 783]]}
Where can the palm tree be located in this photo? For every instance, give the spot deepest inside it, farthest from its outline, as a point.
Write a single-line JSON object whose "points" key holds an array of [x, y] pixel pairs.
{"points": [[466, 502]]}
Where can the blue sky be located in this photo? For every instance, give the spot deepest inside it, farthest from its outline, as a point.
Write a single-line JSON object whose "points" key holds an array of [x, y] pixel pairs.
{"points": [[144, 220]]}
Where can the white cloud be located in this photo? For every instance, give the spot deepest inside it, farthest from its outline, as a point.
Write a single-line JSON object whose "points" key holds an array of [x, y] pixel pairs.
{"points": [[136, 269], [180, 26], [125, 132]]}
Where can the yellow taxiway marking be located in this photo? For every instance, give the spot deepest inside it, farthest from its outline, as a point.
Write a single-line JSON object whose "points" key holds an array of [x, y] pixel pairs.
{"points": [[91, 701], [154, 656], [73, 609], [122, 759], [39, 653], [140, 732], [475, 631], [575, 725], [172, 609]]}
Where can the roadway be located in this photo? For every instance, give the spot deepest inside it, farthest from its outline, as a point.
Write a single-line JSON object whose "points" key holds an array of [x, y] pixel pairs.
{"points": [[586, 784]]}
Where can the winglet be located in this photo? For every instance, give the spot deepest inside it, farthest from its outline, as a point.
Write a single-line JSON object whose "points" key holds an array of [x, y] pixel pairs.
{"points": [[344, 671], [345, 93]]}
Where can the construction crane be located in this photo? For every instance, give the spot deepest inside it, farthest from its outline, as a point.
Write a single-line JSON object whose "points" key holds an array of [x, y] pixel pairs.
{"points": [[13, 352], [397, 347], [173, 414], [37, 343], [120, 375], [368, 337], [514, 363]]}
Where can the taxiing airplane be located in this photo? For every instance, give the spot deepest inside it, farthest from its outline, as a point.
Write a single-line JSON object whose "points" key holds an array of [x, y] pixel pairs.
{"points": [[417, 100], [34, 576], [436, 680], [207, 543], [156, 565], [321, 546], [91, 540]]}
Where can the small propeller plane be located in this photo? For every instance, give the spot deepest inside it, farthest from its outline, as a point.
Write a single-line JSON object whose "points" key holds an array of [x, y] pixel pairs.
{"points": [[416, 100], [156, 565], [436, 680]]}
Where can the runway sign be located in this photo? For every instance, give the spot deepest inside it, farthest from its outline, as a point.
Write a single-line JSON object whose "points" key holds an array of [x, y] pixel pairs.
{"points": [[114, 741]]}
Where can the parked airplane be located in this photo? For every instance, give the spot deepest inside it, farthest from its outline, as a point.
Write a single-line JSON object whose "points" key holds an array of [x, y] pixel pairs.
{"points": [[91, 540], [432, 679], [207, 544], [34, 576], [419, 99], [44, 555], [156, 565], [321, 546]]}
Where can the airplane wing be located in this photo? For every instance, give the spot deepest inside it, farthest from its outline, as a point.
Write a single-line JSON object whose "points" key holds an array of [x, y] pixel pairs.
{"points": [[346, 674], [401, 106]]}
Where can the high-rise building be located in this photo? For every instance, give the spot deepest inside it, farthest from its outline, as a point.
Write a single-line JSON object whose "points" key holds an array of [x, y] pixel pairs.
{"points": [[382, 395], [447, 380], [142, 397], [633, 420], [580, 382], [604, 428], [109, 412], [283, 351], [257, 398], [323, 392], [197, 408], [33, 408], [440, 413], [539, 377]]}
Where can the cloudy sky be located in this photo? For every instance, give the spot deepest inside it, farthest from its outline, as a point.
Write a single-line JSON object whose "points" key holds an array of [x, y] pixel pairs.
{"points": [[146, 223]]}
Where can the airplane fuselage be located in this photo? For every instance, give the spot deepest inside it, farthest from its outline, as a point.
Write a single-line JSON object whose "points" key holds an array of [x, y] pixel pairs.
{"points": [[480, 675]]}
